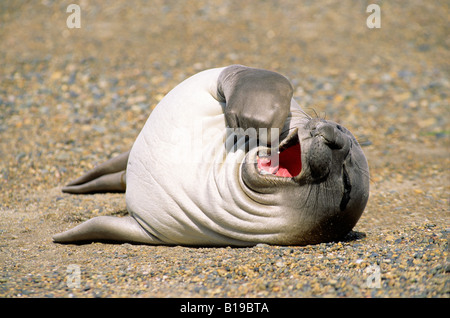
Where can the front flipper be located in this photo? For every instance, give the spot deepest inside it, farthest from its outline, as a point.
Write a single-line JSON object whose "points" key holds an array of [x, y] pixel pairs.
{"points": [[109, 176], [255, 98], [107, 228]]}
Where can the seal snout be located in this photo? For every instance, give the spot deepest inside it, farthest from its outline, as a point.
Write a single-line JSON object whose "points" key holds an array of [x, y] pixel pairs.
{"points": [[331, 134], [327, 137]]}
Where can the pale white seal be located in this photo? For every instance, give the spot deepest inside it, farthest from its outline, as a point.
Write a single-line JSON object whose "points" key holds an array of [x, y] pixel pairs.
{"points": [[200, 172]]}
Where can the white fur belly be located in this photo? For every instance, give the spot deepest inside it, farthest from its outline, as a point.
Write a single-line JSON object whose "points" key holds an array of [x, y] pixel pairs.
{"points": [[171, 162], [182, 184]]}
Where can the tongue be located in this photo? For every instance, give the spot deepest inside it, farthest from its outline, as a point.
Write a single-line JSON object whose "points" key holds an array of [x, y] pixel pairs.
{"points": [[289, 163]]}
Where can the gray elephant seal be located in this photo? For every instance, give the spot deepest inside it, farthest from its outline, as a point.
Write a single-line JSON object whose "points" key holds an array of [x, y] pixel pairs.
{"points": [[228, 158]]}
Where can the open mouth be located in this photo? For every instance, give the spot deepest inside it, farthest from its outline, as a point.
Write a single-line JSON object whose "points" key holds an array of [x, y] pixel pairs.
{"points": [[287, 163]]}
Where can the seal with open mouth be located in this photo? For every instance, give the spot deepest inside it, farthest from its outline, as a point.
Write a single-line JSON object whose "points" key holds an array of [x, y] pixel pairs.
{"points": [[228, 158]]}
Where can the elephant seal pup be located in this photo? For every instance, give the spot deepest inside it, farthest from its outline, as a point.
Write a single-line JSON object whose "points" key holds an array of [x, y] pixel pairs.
{"points": [[228, 158]]}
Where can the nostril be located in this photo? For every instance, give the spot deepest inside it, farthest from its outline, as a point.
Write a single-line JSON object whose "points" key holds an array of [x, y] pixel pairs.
{"points": [[332, 136], [327, 131]]}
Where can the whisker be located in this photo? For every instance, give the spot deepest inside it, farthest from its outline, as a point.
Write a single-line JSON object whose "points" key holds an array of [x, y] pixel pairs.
{"points": [[315, 113], [304, 113], [311, 109], [363, 140], [287, 130], [364, 172], [301, 111], [306, 138]]}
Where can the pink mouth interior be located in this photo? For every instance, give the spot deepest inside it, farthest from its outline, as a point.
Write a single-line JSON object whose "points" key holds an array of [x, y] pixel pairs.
{"points": [[290, 163]]}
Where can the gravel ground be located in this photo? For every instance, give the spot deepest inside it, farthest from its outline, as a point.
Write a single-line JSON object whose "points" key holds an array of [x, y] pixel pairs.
{"points": [[72, 98]]}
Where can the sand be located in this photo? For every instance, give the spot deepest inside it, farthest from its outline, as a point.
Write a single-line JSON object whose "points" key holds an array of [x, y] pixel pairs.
{"points": [[72, 98]]}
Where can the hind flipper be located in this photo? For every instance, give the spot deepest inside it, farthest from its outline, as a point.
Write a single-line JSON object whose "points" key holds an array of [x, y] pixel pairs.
{"points": [[106, 177], [114, 182], [107, 228]]}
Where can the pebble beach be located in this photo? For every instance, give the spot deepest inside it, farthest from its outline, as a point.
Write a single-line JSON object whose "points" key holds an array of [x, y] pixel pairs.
{"points": [[71, 98]]}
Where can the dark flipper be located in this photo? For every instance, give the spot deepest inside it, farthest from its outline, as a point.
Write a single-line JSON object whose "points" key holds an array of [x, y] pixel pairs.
{"points": [[255, 98], [107, 228], [106, 177]]}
